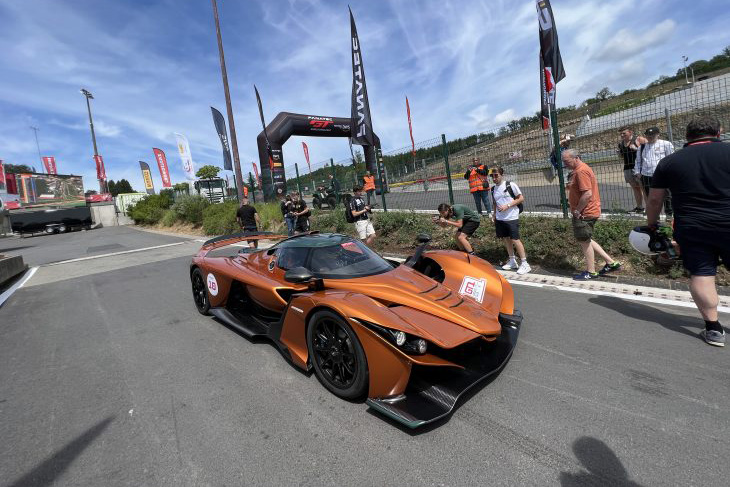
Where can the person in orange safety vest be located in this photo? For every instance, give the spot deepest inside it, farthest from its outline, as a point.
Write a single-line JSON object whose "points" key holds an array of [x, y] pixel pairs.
{"points": [[477, 175], [368, 185]]}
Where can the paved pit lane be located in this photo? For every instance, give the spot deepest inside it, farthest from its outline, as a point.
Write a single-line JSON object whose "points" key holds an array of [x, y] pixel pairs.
{"points": [[109, 376]]}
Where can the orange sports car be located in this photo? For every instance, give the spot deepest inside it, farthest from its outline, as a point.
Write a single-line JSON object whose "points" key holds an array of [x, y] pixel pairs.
{"points": [[411, 337]]}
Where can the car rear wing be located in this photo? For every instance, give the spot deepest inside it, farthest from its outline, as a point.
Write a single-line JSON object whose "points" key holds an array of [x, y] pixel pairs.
{"points": [[224, 240]]}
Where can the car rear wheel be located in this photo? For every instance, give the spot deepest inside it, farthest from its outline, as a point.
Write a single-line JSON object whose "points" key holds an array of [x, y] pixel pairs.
{"points": [[317, 203], [200, 293], [332, 202], [337, 355]]}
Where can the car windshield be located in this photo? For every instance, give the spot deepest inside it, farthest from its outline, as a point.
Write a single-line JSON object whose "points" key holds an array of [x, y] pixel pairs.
{"points": [[330, 256]]}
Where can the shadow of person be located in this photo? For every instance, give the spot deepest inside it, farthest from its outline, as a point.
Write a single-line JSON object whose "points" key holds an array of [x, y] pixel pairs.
{"points": [[602, 466], [642, 312], [53, 467]]}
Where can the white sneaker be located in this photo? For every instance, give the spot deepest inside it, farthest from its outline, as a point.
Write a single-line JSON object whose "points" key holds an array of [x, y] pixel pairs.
{"points": [[510, 266], [524, 268]]}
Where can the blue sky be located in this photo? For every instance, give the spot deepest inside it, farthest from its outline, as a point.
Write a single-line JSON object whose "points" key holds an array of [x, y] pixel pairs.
{"points": [[153, 68]]}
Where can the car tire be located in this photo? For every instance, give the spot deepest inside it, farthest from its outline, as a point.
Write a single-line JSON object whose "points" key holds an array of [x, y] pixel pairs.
{"points": [[317, 203], [337, 356], [200, 292], [332, 202]]}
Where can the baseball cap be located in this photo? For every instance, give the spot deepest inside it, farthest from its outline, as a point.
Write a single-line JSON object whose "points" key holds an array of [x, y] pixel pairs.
{"points": [[651, 131]]}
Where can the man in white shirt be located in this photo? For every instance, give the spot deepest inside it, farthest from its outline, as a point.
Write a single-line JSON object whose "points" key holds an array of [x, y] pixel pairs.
{"points": [[647, 158], [507, 198]]}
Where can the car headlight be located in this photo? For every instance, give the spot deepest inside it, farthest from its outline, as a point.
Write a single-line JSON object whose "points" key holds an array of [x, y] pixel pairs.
{"points": [[404, 341]]}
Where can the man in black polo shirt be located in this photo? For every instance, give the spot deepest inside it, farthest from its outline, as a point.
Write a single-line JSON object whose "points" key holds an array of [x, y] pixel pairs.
{"points": [[248, 219], [698, 177], [300, 210]]}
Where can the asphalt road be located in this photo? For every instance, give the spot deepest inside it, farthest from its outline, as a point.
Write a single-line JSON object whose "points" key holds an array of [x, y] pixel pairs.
{"points": [[109, 376]]}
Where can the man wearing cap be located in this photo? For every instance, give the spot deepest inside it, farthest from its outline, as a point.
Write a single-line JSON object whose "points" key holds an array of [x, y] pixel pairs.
{"points": [[476, 174], [647, 159]]}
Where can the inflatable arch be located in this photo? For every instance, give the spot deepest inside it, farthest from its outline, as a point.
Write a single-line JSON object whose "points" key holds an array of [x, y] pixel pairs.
{"points": [[283, 126]]}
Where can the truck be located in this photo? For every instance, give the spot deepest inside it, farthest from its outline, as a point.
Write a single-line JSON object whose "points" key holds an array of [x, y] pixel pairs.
{"points": [[45, 203], [214, 190]]}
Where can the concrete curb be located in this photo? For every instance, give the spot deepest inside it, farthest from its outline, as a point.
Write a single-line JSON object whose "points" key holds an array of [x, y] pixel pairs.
{"points": [[10, 267]]}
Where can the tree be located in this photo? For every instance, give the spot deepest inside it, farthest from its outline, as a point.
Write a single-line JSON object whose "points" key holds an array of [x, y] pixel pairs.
{"points": [[207, 172], [112, 187], [604, 94], [123, 186], [182, 187], [17, 168], [726, 52]]}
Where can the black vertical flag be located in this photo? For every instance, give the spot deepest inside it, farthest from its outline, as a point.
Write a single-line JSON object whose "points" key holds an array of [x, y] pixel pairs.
{"points": [[263, 124], [361, 127], [551, 63], [220, 127]]}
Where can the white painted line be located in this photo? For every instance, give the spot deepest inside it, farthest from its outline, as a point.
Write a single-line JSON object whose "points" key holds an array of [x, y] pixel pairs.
{"points": [[114, 253], [28, 274]]}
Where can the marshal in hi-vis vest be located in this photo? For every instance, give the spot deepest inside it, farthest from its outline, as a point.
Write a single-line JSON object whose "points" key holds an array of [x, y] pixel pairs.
{"points": [[476, 180], [369, 183]]}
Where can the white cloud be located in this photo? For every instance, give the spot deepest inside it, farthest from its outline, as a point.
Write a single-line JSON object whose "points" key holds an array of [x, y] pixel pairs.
{"points": [[505, 116], [632, 42]]}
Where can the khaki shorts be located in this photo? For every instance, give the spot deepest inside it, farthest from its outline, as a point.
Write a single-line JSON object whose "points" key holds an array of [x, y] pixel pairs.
{"points": [[583, 228], [364, 228]]}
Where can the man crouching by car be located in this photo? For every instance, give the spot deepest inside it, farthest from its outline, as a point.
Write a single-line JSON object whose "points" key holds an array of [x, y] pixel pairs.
{"points": [[463, 218]]}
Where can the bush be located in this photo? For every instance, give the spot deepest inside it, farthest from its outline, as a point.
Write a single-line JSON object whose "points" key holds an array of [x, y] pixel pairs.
{"points": [[150, 209], [168, 218], [220, 219], [189, 208]]}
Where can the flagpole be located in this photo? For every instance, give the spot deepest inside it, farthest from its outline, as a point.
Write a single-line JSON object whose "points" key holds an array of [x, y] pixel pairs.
{"points": [[556, 145], [229, 108]]}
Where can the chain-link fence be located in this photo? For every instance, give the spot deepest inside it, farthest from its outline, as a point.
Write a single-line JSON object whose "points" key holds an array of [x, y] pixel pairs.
{"points": [[435, 172]]}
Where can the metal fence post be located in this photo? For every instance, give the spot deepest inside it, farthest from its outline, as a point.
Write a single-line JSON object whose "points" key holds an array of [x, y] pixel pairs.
{"points": [[299, 185], [559, 160], [669, 125], [334, 177], [378, 163], [448, 169]]}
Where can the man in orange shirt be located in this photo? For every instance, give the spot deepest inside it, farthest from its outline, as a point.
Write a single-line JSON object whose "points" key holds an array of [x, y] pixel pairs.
{"points": [[585, 207], [368, 185]]}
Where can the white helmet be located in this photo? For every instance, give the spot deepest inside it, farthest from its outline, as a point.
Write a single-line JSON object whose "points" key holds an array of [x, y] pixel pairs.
{"points": [[643, 240]]}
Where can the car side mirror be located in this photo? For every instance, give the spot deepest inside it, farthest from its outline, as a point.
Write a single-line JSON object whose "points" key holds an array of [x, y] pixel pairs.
{"points": [[423, 238], [298, 275]]}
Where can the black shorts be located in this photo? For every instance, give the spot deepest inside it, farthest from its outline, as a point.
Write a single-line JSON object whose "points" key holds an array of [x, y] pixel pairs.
{"points": [[302, 225], [583, 228], [469, 227], [252, 229], [701, 252], [507, 228]]}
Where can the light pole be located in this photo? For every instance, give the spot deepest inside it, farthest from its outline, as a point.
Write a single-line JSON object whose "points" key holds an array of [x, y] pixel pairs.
{"points": [[87, 94], [36, 129], [229, 108], [686, 78]]}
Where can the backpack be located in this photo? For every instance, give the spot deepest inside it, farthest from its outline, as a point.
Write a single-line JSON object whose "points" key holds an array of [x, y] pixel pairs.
{"points": [[348, 212], [511, 192]]}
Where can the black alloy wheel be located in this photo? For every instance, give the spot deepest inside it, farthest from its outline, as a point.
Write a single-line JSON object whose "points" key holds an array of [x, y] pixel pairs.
{"points": [[200, 293], [337, 355]]}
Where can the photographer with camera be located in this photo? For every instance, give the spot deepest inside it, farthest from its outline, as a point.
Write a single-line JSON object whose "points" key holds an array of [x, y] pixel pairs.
{"points": [[463, 218], [698, 178], [359, 214]]}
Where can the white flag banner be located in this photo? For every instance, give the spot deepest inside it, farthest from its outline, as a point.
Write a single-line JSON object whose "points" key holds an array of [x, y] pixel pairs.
{"points": [[187, 160]]}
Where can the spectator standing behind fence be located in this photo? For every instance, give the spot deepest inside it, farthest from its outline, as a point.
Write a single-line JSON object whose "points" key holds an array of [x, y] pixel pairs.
{"points": [[507, 198], [476, 174], [359, 211], [248, 219], [300, 210], [627, 148], [368, 185], [647, 158], [464, 219], [286, 212], [585, 206], [698, 177], [335, 186]]}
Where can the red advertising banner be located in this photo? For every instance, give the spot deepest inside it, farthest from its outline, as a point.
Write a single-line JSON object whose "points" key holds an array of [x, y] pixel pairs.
{"points": [[98, 198], [410, 128], [2, 175], [50, 163], [306, 155], [256, 173], [162, 164], [100, 171]]}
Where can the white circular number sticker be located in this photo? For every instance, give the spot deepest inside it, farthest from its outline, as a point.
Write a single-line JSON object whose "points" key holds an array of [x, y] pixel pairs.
{"points": [[212, 285]]}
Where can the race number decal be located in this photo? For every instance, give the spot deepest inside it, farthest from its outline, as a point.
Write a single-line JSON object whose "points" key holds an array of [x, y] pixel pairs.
{"points": [[212, 285], [473, 287]]}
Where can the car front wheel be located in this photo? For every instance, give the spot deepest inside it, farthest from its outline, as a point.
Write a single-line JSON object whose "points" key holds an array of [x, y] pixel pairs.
{"points": [[337, 356], [200, 293]]}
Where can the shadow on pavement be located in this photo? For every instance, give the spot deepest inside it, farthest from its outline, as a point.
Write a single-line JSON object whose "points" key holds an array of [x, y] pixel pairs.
{"points": [[602, 465], [53, 467], [642, 312]]}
